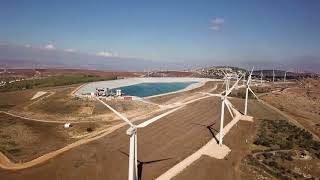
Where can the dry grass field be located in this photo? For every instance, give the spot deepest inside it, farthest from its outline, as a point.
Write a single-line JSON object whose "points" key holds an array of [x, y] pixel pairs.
{"points": [[59, 105], [173, 138], [23, 140], [302, 102], [167, 141], [247, 160]]}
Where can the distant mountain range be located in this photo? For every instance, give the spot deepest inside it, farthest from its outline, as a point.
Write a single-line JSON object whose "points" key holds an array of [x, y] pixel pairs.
{"points": [[17, 56], [30, 57]]}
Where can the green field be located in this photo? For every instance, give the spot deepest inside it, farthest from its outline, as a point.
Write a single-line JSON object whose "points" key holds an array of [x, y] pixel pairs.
{"points": [[52, 81]]}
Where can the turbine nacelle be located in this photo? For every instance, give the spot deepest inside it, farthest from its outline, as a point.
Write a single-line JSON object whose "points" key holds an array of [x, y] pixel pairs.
{"points": [[132, 130]]}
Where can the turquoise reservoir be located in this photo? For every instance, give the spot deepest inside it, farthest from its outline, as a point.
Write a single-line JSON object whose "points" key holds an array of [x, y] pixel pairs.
{"points": [[151, 89]]}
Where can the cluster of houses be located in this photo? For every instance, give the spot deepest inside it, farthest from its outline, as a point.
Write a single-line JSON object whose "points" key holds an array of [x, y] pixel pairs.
{"points": [[219, 71], [106, 92], [2, 83]]}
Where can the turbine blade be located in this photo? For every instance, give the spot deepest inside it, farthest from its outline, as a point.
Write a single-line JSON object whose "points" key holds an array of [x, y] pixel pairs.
{"points": [[224, 82], [231, 106], [227, 104], [225, 74], [249, 79], [234, 85], [146, 123], [116, 112], [253, 93]]}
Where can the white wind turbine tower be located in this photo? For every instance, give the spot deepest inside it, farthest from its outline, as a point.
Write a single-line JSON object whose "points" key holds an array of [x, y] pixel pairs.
{"points": [[285, 76], [261, 76], [226, 102], [273, 75], [247, 93], [132, 132]]}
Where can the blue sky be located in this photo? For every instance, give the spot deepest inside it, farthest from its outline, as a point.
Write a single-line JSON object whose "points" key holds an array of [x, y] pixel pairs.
{"points": [[169, 30]]}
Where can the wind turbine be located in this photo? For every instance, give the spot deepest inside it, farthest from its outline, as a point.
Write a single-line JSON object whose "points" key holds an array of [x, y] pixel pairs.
{"points": [[228, 83], [285, 76], [244, 78], [237, 77], [273, 75], [226, 80], [261, 75], [226, 102], [247, 93], [132, 132]]}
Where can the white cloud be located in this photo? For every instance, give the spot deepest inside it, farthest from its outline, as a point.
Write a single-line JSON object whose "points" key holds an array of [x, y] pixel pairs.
{"points": [[215, 28], [105, 54], [70, 50], [50, 47], [217, 21]]}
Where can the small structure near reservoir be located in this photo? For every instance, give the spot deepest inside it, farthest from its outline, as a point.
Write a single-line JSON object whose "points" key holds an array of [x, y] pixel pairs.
{"points": [[103, 92], [106, 92], [67, 125], [118, 92], [109, 95]]}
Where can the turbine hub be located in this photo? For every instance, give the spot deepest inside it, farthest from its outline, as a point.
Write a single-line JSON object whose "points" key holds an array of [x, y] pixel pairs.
{"points": [[131, 130]]}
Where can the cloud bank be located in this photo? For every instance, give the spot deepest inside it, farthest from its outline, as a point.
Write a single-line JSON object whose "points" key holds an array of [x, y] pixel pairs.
{"points": [[50, 47], [105, 54], [216, 23]]}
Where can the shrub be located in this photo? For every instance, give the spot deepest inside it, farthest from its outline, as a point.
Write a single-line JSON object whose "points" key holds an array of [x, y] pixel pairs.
{"points": [[267, 155], [263, 141], [89, 129], [273, 164]]}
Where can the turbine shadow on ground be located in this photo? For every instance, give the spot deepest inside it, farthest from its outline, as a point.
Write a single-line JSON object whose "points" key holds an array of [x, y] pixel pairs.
{"points": [[209, 127], [141, 163]]}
